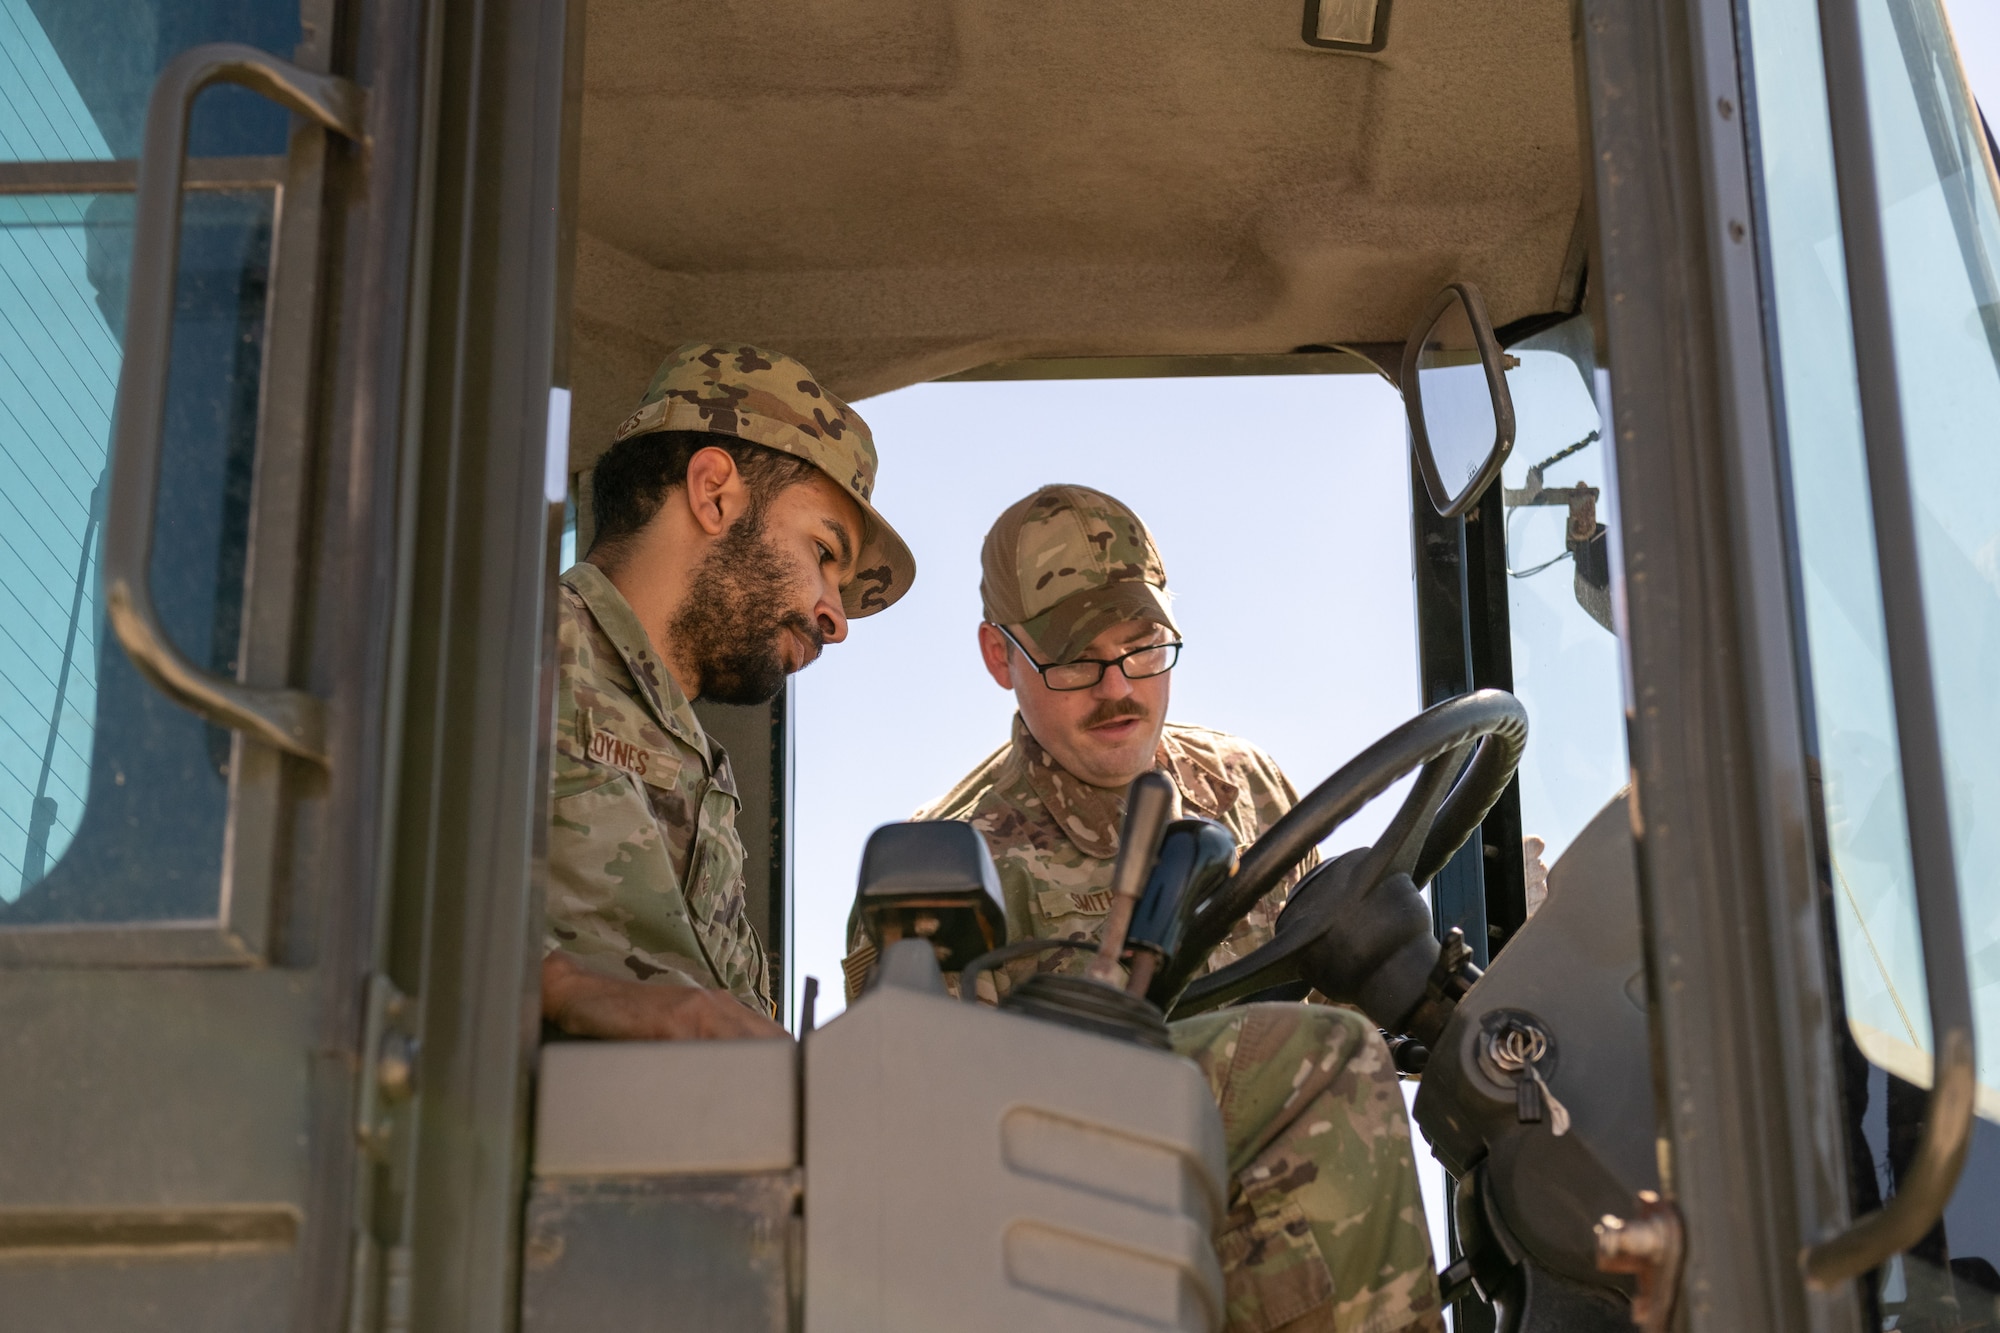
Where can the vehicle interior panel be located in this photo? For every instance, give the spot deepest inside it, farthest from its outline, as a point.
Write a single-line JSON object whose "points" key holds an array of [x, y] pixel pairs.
{"points": [[888, 189]]}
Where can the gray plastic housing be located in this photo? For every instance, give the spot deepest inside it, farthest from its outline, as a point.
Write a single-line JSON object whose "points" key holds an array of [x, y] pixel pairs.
{"points": [[665, 1189], [977, 1170]]}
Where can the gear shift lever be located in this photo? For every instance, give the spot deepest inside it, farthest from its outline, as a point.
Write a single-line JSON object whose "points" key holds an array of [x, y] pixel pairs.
{"points": [[1096, 1001]]}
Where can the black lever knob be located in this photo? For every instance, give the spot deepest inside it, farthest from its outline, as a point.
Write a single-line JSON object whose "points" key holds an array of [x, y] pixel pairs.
{"points": [[1197, 856]]}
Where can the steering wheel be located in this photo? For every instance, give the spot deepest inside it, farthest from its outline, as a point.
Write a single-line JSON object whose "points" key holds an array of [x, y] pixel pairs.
{"points": [[1356, 927]]}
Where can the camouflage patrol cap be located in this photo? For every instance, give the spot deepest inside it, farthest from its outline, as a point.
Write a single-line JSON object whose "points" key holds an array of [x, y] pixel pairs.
{"points": [[1066, 564], [769, 399]]}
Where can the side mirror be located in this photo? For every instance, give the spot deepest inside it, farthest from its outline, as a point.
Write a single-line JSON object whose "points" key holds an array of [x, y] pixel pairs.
{"points": [[931, 881], [1455, 391]]}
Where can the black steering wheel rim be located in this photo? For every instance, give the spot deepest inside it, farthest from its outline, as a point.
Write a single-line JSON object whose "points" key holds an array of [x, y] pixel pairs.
{"points": [[1444, 807]]}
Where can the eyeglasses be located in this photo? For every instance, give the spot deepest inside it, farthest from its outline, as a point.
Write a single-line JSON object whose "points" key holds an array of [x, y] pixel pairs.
{"points": [[1154, 659]]}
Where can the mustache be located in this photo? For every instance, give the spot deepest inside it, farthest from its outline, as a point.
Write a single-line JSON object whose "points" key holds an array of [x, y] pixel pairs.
{"points": [[1110, 710]]}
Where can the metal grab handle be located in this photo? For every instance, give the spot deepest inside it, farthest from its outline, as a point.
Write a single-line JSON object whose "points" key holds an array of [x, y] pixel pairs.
{"points": [[291, 720], [1926, 1187]]}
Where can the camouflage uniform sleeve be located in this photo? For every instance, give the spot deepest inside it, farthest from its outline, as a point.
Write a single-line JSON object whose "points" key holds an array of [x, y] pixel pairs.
{"points": [[1270, 794], [860, 957], [636, 823]]}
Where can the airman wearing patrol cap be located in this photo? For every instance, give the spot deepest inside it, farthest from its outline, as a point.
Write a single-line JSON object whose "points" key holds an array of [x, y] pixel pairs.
{"points": [[1071, 583], [1325, 1229], [735, 538]]}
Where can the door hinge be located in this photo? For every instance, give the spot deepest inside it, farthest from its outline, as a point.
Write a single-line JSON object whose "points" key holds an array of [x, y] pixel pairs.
{"points": [[388, 1071], [384, 1117]]}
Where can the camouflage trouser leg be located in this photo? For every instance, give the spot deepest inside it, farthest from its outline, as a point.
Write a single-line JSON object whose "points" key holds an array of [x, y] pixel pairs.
{"points": [[1326, 1228]]}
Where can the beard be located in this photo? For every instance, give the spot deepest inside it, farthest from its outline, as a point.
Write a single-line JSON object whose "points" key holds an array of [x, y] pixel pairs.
{"points": [[731, 626]]}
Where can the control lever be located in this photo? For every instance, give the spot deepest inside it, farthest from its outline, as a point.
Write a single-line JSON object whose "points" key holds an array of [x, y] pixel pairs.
{"points": [[1451, 976], [1197, 857], [1095, 1001], [1148, 802]]}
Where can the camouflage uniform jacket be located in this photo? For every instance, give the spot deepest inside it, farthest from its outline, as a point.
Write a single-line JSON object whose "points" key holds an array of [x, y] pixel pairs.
{"points": [[645, 865], [1054, 839]]}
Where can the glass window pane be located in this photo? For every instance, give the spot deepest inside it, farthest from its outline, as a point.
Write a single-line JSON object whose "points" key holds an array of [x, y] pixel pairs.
{"points": [[75, 74], [58, 371], [1943, 241], [1861, 776], [112, 799], [1942, 236], [1568, 669]]}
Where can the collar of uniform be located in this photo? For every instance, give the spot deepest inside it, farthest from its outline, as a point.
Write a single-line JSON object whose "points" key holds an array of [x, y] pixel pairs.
{"points": [[1091, 816], [1204, 787], [655, 683]]}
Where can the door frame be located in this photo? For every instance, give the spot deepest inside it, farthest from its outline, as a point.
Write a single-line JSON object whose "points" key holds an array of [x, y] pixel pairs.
{"points": [[472, 463], [1752, 1152]]}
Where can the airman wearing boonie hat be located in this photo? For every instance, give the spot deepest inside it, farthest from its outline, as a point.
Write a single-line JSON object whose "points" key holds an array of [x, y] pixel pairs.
{"points": [[769, 399], [1325, 1229], [735, 537]]}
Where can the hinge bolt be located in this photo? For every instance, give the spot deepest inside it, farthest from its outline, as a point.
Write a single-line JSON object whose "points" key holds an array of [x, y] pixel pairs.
{"points": [[396, 1067]]}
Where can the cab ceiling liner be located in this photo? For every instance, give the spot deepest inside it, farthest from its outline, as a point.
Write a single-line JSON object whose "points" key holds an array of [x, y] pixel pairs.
{"points": [[894, 190]]}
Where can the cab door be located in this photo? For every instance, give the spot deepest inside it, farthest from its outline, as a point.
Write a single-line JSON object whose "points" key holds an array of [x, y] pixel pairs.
{"points": [[1796, 248], [1872, 148], [273, 508]]}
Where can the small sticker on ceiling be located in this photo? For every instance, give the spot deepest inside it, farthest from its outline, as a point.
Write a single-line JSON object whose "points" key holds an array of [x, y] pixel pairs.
{"points": [[1347, 25]]}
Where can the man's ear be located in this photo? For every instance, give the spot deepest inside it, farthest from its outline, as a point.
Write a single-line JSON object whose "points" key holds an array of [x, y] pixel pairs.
{"points": [[993, 651], [716, 495]]}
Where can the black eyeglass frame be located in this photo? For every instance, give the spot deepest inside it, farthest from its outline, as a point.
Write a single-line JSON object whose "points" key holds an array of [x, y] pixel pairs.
{"points": [[1101, 663]]}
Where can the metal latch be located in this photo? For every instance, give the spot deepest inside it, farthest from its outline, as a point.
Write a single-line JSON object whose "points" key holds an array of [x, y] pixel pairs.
{"points": [[1649, 1247]]}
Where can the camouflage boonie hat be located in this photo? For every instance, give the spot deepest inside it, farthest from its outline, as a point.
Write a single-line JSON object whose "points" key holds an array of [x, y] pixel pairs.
{"points": [[1066, 564], [769, 399]]}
